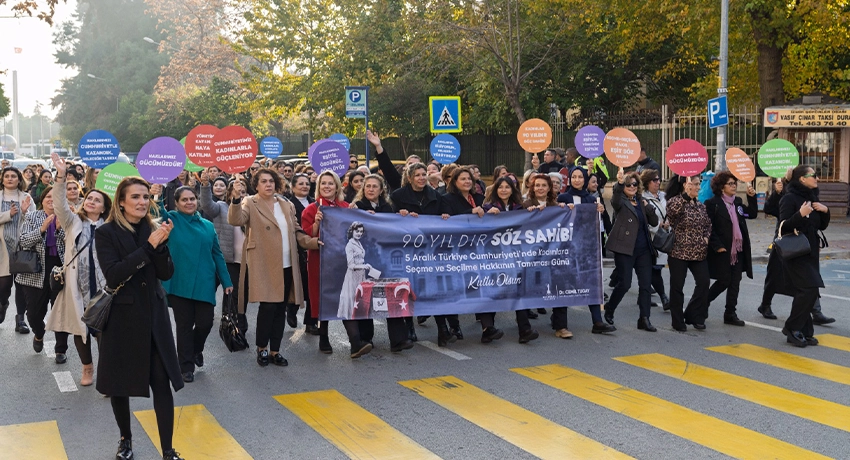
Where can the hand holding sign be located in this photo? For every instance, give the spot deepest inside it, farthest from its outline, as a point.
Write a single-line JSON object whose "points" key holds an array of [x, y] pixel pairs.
{"points": [[740, 165], [621, 147]]}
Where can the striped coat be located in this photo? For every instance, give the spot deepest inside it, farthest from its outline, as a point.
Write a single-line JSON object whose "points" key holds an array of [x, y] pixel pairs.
{"points": [[31, 238]]}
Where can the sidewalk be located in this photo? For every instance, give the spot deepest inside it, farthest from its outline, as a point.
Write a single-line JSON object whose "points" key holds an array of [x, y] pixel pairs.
{"points": [[761, 235]]}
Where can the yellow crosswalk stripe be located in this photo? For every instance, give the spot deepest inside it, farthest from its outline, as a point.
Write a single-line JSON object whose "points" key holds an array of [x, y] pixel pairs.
{"points": [[834, 341], [197, 434], [353, 430], [774, 397], [32, 440], [520, 427], [787, 361], [711, 432]]}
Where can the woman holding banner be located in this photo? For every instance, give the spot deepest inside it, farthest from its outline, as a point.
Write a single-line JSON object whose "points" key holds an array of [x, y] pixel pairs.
{"points": [[269, 255], [416, 198], [15, 203], [328, 193], [729, 250], [632, 246], [577, 193], [692, 228]]}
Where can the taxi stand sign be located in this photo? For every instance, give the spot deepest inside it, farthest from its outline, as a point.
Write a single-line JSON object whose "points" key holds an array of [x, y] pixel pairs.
{"points": [[445, 114]]}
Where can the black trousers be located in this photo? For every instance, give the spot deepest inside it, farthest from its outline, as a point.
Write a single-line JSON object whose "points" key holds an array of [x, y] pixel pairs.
{"points": [[163, 403], [397, 330], [271, 317], [84, 349], [800, 318], [641, 264], [729, 281], [360, 331], [305, 288], [559, 316], [233, 271], [697, 310], [37, 300], [193, 321], [767, 299], [658, 284], [453, 321]]}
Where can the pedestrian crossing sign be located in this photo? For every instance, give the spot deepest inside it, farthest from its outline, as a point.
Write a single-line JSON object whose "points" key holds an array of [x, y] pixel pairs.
{"points": [[445, 114]]}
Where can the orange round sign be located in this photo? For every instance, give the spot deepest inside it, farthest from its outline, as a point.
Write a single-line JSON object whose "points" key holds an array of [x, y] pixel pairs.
{"points": [[534, 135], [621, 147], [740, 165]]}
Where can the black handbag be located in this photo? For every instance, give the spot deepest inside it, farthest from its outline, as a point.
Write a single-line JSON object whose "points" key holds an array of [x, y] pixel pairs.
{"points": [[24, 261], [664, 239], [791, 246], [97, 310], [57, 275], [231, 335]]}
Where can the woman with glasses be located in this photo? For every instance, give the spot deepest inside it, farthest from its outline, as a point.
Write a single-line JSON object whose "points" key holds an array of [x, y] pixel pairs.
{"points": [[692, 229], [800, 210], [729, 250], [651, 180], [631, 244]]}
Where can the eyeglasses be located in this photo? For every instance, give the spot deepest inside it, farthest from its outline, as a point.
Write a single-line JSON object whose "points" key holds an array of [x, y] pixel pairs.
{"points": [[631, 184], [353, 161], [811, 175], [657, 179], [733, 183], [255, 168]]}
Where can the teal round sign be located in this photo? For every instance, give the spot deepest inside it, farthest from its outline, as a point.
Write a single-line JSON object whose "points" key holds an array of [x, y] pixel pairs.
{"points": [[776, 156]]}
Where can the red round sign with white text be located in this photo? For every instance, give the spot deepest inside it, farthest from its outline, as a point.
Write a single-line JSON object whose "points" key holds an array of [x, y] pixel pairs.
{"points": [[686, 157], [234, 149], [199, 146]]}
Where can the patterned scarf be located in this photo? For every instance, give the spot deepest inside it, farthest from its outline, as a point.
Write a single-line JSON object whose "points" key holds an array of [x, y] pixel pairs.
{"points": [[10, 229], [737, 237]]}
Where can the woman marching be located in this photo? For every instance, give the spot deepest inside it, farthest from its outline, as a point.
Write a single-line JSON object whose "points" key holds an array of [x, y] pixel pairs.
{"points": [[83, 276], [14, 206], [328, 193], [301, 199], [651, 180], [373, 198], [137, 354], [273, 235], [729, 244], [199, 267]]}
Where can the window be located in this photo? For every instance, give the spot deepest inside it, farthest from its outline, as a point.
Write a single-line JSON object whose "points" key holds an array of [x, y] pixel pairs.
{"points": [[819, 149]]}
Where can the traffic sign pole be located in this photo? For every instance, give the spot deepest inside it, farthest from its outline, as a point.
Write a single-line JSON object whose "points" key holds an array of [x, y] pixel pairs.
{"points": [[366, 121], [720, 163]]}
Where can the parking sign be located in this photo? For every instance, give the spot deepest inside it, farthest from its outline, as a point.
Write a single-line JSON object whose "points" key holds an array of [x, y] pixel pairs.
{"points": [[355, 101], [718, 112]]}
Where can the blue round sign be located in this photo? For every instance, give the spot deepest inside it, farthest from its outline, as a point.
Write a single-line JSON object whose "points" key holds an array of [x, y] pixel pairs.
{"points": [[445, 148], [589, 141], [271, 147], [342, 139], [99, 149]]}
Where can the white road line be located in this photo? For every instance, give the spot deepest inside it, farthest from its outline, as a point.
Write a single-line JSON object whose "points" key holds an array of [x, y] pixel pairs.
{"points": [[296, 335], [50, 348], [449, 353], [841, 271], [763, 326], [65, 381], [834, 296]]}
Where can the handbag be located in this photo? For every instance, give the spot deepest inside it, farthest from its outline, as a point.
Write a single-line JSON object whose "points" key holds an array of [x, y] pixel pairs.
{"points": [[24, 261], [664, 239], [57, 275], [97, 310], [790, 247], [231, 335]]}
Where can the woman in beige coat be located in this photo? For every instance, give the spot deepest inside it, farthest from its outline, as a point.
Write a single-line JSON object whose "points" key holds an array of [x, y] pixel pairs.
{"points": [[14, 204], [83, 276], [269, 254]]}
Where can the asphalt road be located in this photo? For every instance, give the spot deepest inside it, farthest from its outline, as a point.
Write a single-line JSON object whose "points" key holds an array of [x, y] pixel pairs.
{"points": [[487, 410]]}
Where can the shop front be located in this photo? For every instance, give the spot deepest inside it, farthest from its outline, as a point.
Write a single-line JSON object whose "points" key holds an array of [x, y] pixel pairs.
{"points": [[819, 126]]}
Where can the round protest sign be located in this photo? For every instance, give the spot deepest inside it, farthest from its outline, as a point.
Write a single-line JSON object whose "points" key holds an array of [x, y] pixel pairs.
{"points": [[271, 147], [110, 176], [686, 157], [621, 147], [445, 148], [776, 156], [342, 139], [740, 165], [234, 149], [189, 166], [589, 141], [160, 160], [199, 145], [99, 149], [534, 135], [328, 155]]}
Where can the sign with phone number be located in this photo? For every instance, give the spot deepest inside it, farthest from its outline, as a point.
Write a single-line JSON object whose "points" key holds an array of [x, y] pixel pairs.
{"points": [[835, 117]]}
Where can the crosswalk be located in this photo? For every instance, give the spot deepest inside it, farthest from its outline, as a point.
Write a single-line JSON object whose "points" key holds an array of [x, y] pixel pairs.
{"points": [[361, 433]]}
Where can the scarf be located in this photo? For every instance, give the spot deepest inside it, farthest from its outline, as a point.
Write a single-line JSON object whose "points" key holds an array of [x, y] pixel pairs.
{"points": [[737, 237], [470, 200], [10, 229]]}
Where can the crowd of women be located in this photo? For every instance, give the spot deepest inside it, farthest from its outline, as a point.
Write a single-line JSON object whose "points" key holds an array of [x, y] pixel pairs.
{"points": [[257, 235]]}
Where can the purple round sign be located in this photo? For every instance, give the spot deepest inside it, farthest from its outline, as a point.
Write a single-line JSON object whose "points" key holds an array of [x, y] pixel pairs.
{"points": [[328, 155], [589, 141], [160, 160]]}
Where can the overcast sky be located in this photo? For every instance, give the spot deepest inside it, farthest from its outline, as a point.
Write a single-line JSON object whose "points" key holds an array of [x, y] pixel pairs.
{"points": [[39, 77]]}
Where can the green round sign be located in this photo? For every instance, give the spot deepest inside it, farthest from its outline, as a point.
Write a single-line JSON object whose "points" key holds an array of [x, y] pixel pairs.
{"points": [[189, 166], [776, 156], [111, 175]]}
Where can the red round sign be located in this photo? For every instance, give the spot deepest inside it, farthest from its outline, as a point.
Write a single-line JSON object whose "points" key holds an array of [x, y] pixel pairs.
{"points": [[234, 149], [199, 146], [686, 157]]}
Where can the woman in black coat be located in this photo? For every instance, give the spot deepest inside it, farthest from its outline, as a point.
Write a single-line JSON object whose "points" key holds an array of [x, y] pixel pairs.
{"points": [[729, 250], [801, 210], [632, 246], [137, 352], [300, 199]]}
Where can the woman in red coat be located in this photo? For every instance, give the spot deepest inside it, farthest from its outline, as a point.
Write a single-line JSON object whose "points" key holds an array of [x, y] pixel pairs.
{"points": [[328, 193]]}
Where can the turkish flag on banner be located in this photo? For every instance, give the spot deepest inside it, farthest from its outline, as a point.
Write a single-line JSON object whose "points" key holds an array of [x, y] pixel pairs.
{"points": [[363, 300], [399, 299]]}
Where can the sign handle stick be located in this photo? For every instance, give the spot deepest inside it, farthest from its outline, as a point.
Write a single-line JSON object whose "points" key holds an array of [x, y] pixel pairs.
{"points": [[366, 123]]}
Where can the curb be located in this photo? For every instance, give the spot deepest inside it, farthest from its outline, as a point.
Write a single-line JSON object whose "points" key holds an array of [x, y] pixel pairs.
{"points": [[761, 258]]}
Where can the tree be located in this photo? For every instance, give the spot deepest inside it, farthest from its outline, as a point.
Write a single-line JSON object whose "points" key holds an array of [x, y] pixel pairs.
{"points": [[44, 11], [5, 109]]}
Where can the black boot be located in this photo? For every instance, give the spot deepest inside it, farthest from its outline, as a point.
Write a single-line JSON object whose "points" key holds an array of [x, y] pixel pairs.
{"points": [[242, 322], [325, 345], [665, 302], [292, 315], [444, 337], [171, 454], [3, 308], [125, 449], [819, 318], [766, 311], [644, 324], [21, 325], [455, 331]]}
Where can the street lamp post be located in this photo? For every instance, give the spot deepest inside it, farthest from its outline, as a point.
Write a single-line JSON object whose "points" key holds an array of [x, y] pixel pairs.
{"points": [[117, 99]]}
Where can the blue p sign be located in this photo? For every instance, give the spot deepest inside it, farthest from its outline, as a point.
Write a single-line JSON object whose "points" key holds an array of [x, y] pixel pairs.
{"points": [[718, 112], [354, 96]]}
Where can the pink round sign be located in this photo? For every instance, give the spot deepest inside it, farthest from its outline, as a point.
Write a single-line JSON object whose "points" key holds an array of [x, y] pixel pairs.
{"points": [[199, 146], [686, 157]]}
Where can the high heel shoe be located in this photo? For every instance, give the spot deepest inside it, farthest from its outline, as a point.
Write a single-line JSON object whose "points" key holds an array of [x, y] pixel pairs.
{"points": [[644, 324]]}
